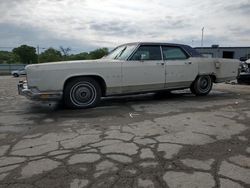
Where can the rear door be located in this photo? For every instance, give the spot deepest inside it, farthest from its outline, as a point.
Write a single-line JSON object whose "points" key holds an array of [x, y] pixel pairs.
{"points": [[181, 71]]}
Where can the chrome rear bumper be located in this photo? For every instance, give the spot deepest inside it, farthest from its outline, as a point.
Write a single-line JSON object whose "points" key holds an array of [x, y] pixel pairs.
{"points": [[36, 94]]}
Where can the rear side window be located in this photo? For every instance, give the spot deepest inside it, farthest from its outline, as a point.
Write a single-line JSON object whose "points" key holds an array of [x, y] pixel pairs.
{"points": [[147, 52], [173, 53]]}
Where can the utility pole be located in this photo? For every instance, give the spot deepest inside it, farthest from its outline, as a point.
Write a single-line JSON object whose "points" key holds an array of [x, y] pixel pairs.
{"points": [[202, 36], [38, 49]]}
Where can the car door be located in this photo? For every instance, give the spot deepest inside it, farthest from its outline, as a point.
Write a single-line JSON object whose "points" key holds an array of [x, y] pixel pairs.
{"points": [[181, 71], [144, 70], [22, 72]]}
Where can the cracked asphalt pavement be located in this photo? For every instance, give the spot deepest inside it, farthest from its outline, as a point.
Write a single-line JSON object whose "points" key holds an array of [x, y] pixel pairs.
{"points": [[176, 140]]}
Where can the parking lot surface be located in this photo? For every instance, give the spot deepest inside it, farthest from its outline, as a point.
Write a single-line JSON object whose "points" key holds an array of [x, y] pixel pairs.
{"points": [[177, 140]]}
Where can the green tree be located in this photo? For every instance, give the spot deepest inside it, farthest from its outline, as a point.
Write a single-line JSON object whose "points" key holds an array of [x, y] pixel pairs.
{"points": [[80, 56], [65, 51], [26, 54], [5, 56], [50, 55], [8, 57], [98, 53]]}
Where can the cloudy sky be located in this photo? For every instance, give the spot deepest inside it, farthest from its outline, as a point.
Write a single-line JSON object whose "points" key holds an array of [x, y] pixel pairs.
{"points": [[85, 25]]}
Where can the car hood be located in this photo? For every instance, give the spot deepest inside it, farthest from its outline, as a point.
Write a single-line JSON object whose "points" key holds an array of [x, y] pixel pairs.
{"points": [[61, 64], [64, 62]]}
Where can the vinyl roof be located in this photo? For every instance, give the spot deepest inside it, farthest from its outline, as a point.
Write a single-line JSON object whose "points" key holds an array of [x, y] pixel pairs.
{"points": [[154, 43], [231, 47], [191, 51]]}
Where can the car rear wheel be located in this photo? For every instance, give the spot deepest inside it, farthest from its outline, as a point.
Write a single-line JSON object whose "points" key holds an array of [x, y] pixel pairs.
{"points": [[82, 93], [202, 85], [15, 75]]}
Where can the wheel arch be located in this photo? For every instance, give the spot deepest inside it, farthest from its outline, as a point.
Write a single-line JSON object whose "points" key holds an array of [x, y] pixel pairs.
{"points": [[97, 78], [212, 75]]}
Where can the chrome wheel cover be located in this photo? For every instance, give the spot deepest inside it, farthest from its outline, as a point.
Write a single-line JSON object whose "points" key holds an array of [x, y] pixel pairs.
{"points": [[204, 84], [83, 94]]}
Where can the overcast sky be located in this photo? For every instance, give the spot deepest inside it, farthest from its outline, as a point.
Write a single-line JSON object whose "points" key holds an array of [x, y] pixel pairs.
{"points": [[85, 25]]}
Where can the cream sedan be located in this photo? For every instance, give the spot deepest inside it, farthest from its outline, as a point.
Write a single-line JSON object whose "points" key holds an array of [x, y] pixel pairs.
{"points": [[129, 68]]}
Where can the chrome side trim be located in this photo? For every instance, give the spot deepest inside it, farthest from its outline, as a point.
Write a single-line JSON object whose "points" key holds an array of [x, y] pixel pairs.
{"points": [[147, 88], [142, 88], [219, 80], [176, 85]]}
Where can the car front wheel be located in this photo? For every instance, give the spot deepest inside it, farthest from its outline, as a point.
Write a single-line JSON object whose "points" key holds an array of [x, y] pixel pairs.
{"points": [[15, 75], [82, 93], [202, 85]]}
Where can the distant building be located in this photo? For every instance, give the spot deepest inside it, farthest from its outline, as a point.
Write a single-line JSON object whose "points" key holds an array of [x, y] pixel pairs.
{"points": [[241, 53]]}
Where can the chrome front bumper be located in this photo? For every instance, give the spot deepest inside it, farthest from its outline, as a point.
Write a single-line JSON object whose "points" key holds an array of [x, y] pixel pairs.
{"points": [[36, 94]]}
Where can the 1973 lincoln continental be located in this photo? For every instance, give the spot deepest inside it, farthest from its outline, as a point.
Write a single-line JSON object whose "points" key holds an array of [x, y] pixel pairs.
{"points": [[129, 68]]}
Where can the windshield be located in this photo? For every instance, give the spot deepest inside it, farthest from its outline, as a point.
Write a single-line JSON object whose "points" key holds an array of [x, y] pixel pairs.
{"points": [[122, 52]]}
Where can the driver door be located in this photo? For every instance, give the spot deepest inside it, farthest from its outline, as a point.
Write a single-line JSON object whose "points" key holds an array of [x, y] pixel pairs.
{"points": [[144, 71]]}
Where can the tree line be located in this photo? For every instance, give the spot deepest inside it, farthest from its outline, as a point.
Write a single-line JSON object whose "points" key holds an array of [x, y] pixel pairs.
{"points": [[25, 54]]}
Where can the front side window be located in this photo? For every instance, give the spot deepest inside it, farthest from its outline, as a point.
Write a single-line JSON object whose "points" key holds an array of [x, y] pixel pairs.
{"points": [[173, 53], [147, 52]]}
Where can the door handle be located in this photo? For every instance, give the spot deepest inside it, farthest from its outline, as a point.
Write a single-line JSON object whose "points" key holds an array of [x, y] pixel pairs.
{"points": [[188, 63], [160, 64]]}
